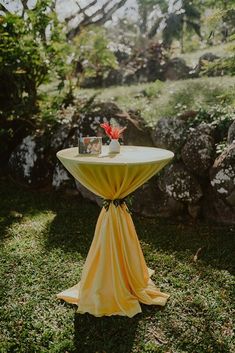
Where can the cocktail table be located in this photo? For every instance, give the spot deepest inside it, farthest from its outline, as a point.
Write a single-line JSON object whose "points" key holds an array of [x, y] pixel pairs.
{"points": [[115, 277]]}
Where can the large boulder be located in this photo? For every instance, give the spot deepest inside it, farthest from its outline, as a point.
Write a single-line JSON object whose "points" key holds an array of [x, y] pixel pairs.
{"points": [[137, 133], [203, 61], [177, 182], [66, 126], [199, 150], [144, 65], [114, 78], [30, 163], [215, 209], [231, 133], [150, 201], [33, 162], [64, 136], [222, 175], [176, 69], [207, 57], [61, 179], [87, 194], [12, 133], [170, 133]]}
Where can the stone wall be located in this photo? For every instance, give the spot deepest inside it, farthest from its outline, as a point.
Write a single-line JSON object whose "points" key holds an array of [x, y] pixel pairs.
{"points": [[197, 184]]}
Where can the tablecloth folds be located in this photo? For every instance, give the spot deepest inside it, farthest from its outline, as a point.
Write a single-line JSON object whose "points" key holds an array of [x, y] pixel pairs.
{"points": [[115, 277]]}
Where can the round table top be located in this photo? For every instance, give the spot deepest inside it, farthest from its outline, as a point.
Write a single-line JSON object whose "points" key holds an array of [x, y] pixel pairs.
{"points": [[127, 155]]}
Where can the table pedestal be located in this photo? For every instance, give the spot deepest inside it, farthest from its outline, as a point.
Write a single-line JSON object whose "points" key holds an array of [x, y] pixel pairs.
{"points": [[115, 277]]}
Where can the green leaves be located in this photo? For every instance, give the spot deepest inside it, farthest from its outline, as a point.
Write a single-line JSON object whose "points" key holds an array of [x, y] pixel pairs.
{"points": [[33, 50], [93, 52]]}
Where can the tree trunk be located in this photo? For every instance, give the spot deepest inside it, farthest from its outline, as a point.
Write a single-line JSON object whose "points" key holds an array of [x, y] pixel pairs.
{"points": [[182, 35]]}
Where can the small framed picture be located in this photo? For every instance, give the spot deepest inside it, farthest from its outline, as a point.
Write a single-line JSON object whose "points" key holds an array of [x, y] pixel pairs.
{"points": [[90, 145]]}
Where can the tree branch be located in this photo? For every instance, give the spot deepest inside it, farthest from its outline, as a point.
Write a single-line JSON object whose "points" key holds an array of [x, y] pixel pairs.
{"points": [[109, 13], [25, 5], [154, 28], [3, 8], [101, 13], [81, 11]]}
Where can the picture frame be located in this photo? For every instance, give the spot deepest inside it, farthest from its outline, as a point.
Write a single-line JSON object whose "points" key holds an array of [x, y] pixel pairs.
{"points": [[90, 145]]}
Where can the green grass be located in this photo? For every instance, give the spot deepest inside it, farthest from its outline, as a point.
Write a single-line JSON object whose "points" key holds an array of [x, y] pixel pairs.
{"points": [[160, 99], [45, 238], [221, 50]]}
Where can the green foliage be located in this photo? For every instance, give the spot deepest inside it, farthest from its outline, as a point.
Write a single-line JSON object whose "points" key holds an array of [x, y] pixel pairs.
{"points": [[224, 19], [154, 89], [223, 4], [192, 42], [32, 51], [169, 99], [224, 65], [176, 19], [218, 116], [179, 22], [198, 94], [93, 53]]}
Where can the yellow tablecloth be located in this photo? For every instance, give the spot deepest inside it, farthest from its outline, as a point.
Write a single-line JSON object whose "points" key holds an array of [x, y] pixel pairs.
{"points": [[115, 277]]}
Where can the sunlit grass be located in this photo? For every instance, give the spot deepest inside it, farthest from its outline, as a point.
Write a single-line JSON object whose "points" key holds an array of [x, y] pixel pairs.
{"points": [[220, 50], [161, 99]]}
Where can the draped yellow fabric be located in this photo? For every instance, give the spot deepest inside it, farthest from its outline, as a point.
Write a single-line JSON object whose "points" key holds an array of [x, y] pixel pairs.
{"points": [[115, 277]]}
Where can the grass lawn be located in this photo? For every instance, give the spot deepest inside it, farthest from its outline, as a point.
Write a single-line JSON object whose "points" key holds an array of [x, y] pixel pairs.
{"points": [[45, 238], [161, 99], [221, 50]]}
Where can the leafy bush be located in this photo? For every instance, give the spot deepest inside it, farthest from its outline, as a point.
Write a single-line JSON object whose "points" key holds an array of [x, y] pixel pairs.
{"points": [[218, 117], [222, 66], [33, 51], [195, 94], [226, 65], [93, 54], [153, 89]]}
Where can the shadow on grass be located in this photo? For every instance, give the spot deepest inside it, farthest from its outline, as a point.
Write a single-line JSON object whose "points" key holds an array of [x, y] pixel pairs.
{"points": [[214, 245], [73, 227], [112, 334]]}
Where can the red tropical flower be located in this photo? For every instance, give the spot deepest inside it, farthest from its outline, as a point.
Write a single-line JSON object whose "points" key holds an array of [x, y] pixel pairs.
{"points": [[112, 132], [107, 128]]}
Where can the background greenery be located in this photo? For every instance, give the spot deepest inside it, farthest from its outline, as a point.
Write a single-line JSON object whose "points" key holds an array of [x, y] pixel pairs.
{"points": [[171, 98], [36, 48]]}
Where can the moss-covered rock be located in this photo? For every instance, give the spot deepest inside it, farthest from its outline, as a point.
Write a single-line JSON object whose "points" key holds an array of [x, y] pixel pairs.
{"points": [[222, 175], [177, 182], [198, 153]]}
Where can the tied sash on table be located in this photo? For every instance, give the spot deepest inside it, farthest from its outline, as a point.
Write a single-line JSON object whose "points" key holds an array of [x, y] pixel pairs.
{"points": [[115, 277]]}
